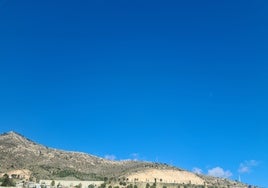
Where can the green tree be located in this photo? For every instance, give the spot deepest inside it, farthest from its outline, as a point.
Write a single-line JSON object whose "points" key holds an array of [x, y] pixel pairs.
{"points": [[130, 186], [91, 186], [7, 182], [122, 183], [135, 186], [147, 185], [52, 183]]}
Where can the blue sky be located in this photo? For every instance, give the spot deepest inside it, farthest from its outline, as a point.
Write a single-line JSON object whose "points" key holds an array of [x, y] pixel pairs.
{"points": [[178, 82]]}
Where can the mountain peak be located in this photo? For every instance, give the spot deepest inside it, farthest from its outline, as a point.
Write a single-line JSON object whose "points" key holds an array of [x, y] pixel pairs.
{"points": [[18, 152], [12, 133], [15, 139]]}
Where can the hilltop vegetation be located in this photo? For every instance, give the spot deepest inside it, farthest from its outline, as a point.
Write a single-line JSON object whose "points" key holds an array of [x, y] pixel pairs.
{"points": [[35, 161]]}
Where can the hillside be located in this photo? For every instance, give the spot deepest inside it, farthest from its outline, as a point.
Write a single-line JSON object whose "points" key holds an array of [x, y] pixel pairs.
{"points": [[21, 155]]}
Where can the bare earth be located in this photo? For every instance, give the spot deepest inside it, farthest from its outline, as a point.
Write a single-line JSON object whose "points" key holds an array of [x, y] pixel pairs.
{"points": [[167, 176]]}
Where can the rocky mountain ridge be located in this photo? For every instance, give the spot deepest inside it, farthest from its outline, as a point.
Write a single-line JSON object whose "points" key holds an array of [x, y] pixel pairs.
{"points": [[18, 152]]}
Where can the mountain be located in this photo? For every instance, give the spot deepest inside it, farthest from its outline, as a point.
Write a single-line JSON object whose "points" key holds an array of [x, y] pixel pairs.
{"points": [[20, 154]]}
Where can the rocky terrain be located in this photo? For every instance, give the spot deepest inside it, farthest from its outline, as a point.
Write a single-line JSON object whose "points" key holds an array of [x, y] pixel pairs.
{"points": [[19, 155]]}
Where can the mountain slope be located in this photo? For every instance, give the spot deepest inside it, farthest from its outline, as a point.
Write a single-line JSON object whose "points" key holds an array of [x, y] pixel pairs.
{"points": [[18, 152]]}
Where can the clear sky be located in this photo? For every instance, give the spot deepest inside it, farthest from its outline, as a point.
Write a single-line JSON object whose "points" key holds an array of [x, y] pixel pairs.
{"points": [[178, 82]]}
